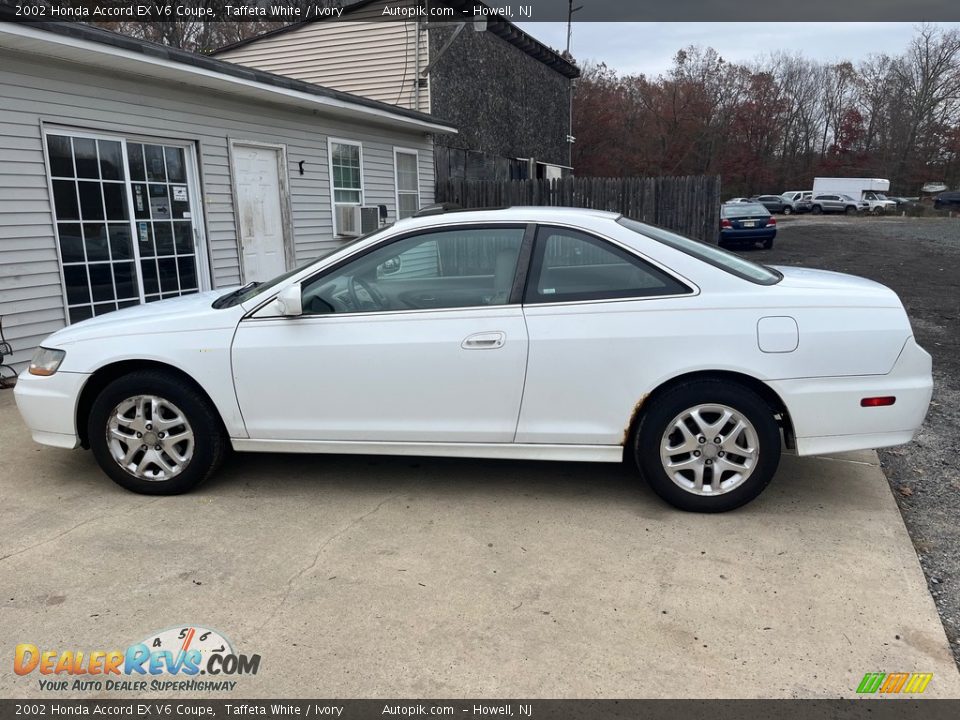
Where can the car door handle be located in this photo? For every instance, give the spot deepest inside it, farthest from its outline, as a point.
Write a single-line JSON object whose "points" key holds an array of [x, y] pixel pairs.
{"points": [[484, 341]]}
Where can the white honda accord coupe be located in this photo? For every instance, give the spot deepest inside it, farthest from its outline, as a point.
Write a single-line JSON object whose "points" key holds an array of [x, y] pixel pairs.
{"points": [[533, 333]]}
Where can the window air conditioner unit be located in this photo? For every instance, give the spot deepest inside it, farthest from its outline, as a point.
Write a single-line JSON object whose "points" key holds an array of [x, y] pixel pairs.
{"points": [[369, 219], [348, 220]]}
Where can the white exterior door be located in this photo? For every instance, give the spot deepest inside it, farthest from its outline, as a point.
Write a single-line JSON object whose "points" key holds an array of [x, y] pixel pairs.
{"points": [[259, 210]]}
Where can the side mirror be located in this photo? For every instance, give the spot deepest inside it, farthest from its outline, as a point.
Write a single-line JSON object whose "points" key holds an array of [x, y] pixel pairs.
{"points": [[290, 300], [389, 266]]}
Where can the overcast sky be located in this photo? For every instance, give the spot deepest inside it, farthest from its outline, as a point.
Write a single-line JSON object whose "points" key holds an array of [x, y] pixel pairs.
{"points": [[649, 47]]}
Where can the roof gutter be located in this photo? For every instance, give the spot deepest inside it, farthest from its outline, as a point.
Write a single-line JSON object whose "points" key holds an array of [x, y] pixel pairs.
{"points": [[24, 38]]}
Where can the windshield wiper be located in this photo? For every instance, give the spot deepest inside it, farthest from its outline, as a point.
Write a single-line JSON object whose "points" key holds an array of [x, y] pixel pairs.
{"points": [[224, 299]]}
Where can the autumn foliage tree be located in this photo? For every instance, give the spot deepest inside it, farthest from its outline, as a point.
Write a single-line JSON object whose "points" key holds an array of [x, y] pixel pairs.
{"points": [[775, 123]]}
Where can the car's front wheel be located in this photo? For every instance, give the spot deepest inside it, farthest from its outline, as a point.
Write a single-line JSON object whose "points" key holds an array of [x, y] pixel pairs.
{"points": [[154, 434], [816, 210], [787, 210], [708, 445]]}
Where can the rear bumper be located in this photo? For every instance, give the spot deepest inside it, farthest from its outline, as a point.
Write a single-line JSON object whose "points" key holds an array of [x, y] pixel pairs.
{"points": [[764, 233], [827, 416], [48, 406]]}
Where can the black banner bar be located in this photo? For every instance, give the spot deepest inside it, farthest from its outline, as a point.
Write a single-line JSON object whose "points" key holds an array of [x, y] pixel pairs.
{"points": [[879, 709], [469, 10]]}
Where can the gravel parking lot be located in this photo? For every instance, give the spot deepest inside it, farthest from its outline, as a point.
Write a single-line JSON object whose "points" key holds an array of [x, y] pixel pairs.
{"points": [[919, 258]]}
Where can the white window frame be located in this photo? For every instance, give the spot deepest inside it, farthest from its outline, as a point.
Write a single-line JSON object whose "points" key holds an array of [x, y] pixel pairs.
{"points": [[202, 259], [331, 141], [396, 176]]}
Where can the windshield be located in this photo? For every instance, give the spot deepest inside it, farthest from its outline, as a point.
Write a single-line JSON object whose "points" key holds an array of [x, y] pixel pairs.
{"points": [[727, 261], [252, 290]]}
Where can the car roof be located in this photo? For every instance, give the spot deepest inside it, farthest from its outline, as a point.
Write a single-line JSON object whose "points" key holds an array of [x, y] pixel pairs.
{"points": [[520, 213]]}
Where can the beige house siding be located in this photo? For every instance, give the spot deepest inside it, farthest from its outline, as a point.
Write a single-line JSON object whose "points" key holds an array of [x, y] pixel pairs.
{"points": [[373, 59]]}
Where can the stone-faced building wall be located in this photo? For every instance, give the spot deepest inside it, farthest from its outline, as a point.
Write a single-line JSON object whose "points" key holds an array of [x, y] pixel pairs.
{"points": [[505, 102]]}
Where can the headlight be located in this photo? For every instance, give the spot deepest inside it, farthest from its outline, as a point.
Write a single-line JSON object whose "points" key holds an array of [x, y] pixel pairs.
{"points": [[46, 361]]}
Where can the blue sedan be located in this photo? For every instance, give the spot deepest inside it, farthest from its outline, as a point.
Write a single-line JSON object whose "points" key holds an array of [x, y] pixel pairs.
{"points": [[746, 223]]}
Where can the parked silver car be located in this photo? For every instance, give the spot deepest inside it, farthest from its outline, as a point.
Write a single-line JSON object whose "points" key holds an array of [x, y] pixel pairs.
{"points": [[837, 203]]}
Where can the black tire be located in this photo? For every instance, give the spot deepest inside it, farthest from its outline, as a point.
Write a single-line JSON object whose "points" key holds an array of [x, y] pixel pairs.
{"points": [[787, 210], [655, 420], [209, 441], [767, 244], [851, 210], [816, 210]]}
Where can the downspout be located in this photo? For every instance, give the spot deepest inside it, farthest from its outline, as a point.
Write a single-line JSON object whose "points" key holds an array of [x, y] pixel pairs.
{"points": [[570, 127], [416, 66]]}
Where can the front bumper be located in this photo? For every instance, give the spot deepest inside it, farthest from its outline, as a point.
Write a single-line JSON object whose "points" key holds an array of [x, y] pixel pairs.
{"points": [[48, 406], [827, 416]]}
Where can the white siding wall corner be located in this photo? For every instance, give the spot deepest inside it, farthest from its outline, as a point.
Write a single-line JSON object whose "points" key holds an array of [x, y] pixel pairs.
{"points": [[39, 92]]}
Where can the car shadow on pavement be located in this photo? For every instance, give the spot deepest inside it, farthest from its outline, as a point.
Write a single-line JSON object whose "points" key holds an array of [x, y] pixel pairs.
{"points": [[801, 484]]}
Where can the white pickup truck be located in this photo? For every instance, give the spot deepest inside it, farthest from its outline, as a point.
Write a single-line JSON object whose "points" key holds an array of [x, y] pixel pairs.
{"points": [[871, 190]]}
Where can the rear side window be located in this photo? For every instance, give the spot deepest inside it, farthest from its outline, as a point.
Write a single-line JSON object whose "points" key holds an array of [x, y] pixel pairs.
{"points": [[568, 265], [727, 261]]}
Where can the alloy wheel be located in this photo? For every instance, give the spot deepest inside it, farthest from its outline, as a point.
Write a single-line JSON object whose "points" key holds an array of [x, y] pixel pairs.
{"points": [[150, 437], [709, 449]]}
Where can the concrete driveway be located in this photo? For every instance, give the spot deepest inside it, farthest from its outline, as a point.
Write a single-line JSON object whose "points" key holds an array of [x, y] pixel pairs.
{"points": [[377, 577]]}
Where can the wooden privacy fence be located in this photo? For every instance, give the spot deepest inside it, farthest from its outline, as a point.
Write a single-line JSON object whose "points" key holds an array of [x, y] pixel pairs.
{"points": [[688, 205]]}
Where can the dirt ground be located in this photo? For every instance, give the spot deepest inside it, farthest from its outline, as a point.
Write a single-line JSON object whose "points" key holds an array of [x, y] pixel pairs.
{"points": [[920, 259]]}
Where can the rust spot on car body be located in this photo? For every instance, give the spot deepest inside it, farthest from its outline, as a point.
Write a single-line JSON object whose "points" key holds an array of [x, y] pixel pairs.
{"points": [[633, 418]]}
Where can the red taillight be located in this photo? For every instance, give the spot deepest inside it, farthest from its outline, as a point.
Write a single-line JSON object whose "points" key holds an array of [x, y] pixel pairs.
{"points": [[725, 223], [772, 221], [878, 401]]}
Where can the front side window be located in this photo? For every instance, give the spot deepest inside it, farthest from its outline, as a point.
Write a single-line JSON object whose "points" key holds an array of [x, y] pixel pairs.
{"points": [[408, 183], [464, 267], [569, 265]]}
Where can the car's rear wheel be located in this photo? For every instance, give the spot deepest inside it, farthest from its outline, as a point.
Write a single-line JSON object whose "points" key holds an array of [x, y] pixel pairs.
{"points": [[767, 244], [154, 434], [816, 210], [708, 445]]}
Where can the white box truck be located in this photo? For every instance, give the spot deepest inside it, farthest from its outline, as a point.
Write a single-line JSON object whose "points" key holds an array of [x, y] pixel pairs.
{"points": [[870, 190]]}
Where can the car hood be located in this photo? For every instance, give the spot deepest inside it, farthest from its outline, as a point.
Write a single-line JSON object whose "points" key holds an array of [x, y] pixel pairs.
{"points": [[827, 280], [189, 312]]}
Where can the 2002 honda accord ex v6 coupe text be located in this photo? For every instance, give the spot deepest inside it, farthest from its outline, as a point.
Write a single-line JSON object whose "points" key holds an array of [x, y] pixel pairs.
{"points": [[528, 333]]}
